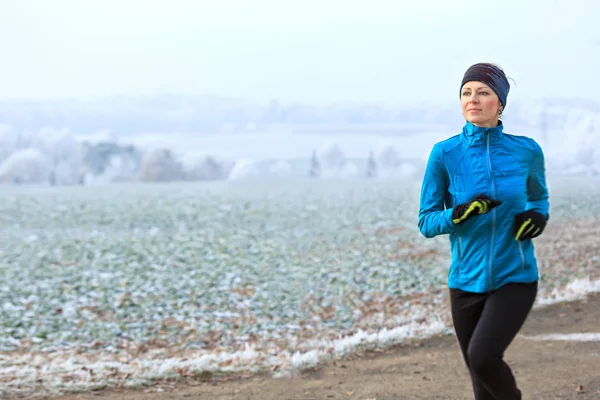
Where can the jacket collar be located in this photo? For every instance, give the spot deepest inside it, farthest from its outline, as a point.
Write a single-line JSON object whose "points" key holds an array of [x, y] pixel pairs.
{"points": [[476, 133]]}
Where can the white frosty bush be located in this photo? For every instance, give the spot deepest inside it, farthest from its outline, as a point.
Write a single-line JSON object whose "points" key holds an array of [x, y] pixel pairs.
{"points": [[577, 154], [208, 167], [65, 153], [280, 168], [244, 169], [10, 141], [333, 162], [107, 162], [121, 168], [26, 166], [160, 165], [387, 157], [389, 163], [331, 156]]}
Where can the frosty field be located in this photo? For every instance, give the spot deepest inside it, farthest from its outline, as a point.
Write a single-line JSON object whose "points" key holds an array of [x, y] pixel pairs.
{"points": [[123, 284]]}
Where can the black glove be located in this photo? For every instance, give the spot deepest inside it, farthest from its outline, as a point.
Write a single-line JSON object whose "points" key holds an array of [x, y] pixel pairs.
{"points": [[481, 204], [528, 225]]}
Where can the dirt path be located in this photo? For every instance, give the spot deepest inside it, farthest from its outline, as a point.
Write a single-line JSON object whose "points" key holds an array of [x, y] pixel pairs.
{"points": [[429, 369]]}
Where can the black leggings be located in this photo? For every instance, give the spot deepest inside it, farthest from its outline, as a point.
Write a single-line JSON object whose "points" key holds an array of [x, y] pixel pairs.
{"points": [[485, 324]]}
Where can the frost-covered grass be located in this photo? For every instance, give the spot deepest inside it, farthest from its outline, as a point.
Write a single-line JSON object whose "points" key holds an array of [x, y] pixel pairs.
{"points": [[153, 280], [202, 265]]}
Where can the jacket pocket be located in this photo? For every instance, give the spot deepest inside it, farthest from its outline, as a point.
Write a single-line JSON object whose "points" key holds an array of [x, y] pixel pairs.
{"points": [[507, 176]]}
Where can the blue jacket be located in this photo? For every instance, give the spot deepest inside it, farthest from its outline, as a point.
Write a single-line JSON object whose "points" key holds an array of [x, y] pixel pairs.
{"points": [[510, 168]]}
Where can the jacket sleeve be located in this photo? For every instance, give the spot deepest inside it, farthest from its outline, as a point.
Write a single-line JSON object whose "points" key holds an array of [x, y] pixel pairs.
{"points": [[434, 219], [537, 190]]}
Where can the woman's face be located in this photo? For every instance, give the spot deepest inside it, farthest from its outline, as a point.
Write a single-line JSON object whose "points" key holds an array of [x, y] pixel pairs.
{"points": [[480, 105]]}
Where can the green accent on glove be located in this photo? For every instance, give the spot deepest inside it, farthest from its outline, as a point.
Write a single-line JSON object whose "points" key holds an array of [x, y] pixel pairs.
{"points": [[529, 225], [481, 204]]}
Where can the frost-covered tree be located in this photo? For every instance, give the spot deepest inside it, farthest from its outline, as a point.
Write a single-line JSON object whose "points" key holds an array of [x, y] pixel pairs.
{"points": [[11, 141], [280, 168], [371, 166], [243, 169], [332, 157], [333, 162], [387, 157], [586, 160], [66, 155], [579, 154], [315, 166], [208, 167], [160, 165], [121, 168], [107, 162], [27, 166], [7, 142]]}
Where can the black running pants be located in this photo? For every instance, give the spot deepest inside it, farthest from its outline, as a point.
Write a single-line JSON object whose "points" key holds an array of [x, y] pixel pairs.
{"points": [[485, 325]]}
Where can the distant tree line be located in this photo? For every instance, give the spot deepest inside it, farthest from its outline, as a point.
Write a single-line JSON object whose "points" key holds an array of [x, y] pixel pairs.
{"points": [[210, 114]]}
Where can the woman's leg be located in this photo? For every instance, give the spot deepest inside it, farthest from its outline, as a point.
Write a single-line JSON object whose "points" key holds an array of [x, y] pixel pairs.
{"points": [[466, 310], [503, 315]]}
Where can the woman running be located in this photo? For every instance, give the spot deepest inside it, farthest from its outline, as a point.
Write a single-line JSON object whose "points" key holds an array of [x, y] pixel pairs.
{"points": [[487, 190]]}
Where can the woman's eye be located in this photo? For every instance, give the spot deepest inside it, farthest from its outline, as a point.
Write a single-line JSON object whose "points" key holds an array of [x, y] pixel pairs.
{"points": [[466, 93], [484, 93]]}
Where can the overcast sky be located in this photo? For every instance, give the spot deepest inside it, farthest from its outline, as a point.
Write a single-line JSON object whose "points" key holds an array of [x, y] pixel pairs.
{"points": [[314, 51]]}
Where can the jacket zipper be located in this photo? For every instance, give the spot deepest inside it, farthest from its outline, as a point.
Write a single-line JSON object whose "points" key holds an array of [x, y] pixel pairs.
{"points": [[489, 160], [460, 254]]}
